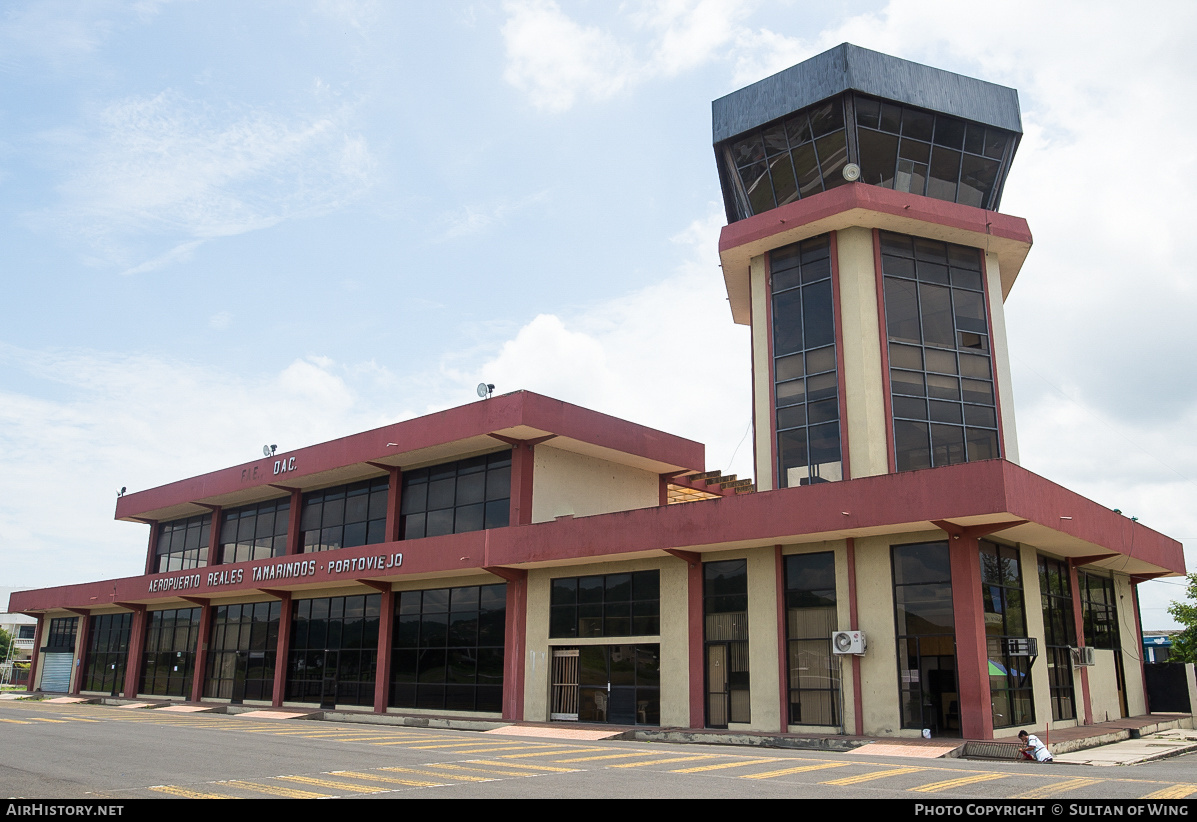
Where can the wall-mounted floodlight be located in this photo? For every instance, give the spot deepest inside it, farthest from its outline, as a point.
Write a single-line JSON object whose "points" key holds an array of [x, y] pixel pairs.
{"points": [[268, 450], [485, 389], [121, 492]]}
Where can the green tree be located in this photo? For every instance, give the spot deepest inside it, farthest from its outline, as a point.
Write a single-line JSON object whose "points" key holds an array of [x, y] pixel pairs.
{"points": [[1184, 644], [5, 644]]}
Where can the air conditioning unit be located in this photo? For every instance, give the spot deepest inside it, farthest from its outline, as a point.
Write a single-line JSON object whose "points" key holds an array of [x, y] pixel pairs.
{"points": [[1022, 646], [849, 642], [1082, 657]]}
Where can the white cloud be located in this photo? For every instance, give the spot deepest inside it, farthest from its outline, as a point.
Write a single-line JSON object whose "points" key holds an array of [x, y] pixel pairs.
{"points": [[220, 320], [557, 61], [478, 218], [138, 421], [168, 168]]}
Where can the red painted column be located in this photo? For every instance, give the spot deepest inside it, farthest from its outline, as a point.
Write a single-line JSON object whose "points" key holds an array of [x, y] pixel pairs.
{"points": [[698, 679], [214, 537], [201, 650], [663, 494], [150, 555], [34, 655], [783, 657], [136, 649], [854, 625], [394, 503], [294, 534], [386, 623], [516, 631], [280, 649], [972, 656], [1079, 621], [521, 483]]}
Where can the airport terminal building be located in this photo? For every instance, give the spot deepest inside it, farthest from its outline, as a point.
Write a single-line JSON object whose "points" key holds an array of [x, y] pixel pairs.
{"points": [[893, 569]]}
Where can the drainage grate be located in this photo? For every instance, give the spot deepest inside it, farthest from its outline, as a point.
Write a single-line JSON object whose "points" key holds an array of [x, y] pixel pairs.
{"points": [[991, 750]]}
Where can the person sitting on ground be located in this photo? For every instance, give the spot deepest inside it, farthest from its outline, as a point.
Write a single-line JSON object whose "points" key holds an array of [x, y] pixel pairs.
{"points": [[1032, 748]]}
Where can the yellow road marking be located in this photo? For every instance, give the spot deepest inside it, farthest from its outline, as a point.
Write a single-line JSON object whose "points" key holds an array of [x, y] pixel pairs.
{"points": [[1048, 791], [605, 756], [668, 761], [392, 779], [1178, 791], [511, 765], [723, 765], [547, 753], [328, 783], [44, 719], [275, 790], [467, 744], [935, 787], [16, 721], [868, 777], [463, 777], [800, 769], [175, 790]]}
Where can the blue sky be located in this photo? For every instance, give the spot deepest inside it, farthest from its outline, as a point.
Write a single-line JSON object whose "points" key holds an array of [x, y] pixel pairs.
{"points": [[224, 224]]}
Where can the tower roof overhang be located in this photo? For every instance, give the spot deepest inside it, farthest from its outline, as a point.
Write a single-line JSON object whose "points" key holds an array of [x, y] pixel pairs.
{"points": [[858, 204]]}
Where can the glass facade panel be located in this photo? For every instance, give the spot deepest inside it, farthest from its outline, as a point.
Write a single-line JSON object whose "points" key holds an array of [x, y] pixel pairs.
{"points": [[814, 674], [448, 648], [1059, 628], [242, 651], [168, 660], [938, 331], [896, 146], [456, 497], [1005, 619], [804, 366], [345, 516], [606, 605], [255, 531], [334, 650], [1099, 611], [725, 633], [182, 544], [923, 619], [107, 653]]}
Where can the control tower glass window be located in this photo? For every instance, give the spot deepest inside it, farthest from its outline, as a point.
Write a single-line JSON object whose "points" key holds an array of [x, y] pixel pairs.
{"points": [[941, 374], [805, 378], [896, 146]]}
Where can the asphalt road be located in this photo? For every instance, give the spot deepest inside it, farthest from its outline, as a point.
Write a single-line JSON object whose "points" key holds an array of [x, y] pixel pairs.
{"points": [[96, 752]]}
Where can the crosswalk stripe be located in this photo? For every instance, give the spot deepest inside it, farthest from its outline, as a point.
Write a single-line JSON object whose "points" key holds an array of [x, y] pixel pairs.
{"points": [[329, 783], [722, 765], [786, 771], [546, 753], [460, 777], [275, 790], [668, 761], [1178, 791], [512, 765], [175, 790], [395, 780], [1048, 791], [605, 756], [868, 777], [935, 787]]}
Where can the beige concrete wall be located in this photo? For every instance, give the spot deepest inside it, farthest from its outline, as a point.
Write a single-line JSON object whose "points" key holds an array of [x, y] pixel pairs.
{"points": [[1103, 689], [567, 483], [875, 611], [863, 386], [673, 639], [1132, 648], [1001, 357], [762, 415], [843, 623], [1033, 599]]}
